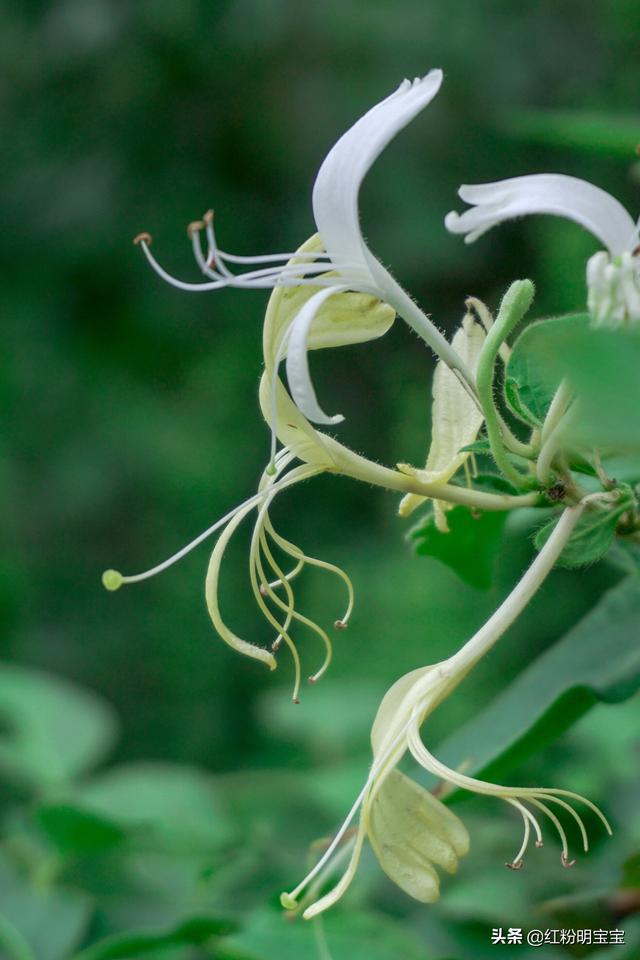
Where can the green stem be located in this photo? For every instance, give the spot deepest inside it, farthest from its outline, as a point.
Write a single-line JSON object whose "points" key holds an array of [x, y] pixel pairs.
{"points": [[515, 304]]}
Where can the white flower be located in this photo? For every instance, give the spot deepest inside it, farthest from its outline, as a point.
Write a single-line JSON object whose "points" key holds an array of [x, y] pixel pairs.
{"points": [[342, 261], [409, 830], [613, 276]]}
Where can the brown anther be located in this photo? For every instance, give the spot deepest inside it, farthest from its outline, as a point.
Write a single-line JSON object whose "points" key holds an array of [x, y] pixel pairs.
{"points": [[636, 251], [263, 589], [340, 625], [276, 644], [208, 218], [564, 860], [194, 227], [539, 844], [143, 237], [296, 700], [517, 865], [312, 679]]}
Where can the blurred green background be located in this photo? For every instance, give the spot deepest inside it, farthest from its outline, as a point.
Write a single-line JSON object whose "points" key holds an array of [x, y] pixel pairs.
{"points": [[131, 423]]}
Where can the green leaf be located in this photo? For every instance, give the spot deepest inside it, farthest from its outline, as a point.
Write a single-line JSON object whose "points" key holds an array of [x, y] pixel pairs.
{"points": [[592, 537], [602, 366], [51, 921], [76, 831], [349, 935], [138, 943], [50, 730], [598, 659], [530, 380], [168, 806], [470, 546]]}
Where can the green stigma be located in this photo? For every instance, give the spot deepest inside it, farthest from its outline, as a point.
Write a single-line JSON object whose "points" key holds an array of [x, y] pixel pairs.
{"points": [[288, 902], [112, 579]]}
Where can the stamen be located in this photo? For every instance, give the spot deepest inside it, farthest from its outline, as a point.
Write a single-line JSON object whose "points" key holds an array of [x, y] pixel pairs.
{"points": [[194, 228], [551, 815], [280, 628], [565, 862], [290, 607], [294, 894], [214, 259], [257, 279], [298, 554], [529, 820], [576, 816], [288, 577], [113, 579], [143, 237]]}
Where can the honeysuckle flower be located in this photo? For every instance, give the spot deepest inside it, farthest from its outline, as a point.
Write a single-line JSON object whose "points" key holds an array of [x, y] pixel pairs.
{"points": [[410, 831], [339, 260], [613, 275], [345, 317], [455, 422]]}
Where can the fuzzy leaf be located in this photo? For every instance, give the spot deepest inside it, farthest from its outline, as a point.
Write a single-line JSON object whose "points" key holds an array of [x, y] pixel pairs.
{"points": [[530, 380], [591, 538]]}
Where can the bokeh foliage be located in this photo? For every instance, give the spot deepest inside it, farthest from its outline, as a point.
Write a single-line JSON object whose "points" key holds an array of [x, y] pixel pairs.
{"points": [[173, 789]]}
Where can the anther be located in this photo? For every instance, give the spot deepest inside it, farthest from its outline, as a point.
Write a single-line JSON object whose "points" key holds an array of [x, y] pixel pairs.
{"points": [[263, 590], [275, 646], [296, 700], [312, 679], [143, 237], [340, 625], [195, 227], [516, 865], [207, 218], [564, 860], [539, 844], [288, 902]]}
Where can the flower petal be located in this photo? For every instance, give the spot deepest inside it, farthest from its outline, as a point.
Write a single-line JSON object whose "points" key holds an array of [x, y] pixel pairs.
{"points": [[410, 831], [335, 192], [291, 428], [348, 318], [556, 194], [211, 595], [298, 375], [455, 419], [342, 885]]}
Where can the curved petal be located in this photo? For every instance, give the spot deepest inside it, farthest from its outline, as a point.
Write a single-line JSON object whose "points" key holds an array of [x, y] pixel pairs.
{"points": [[298, 365], [291, 428], [556, 194], [335, 192]]}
